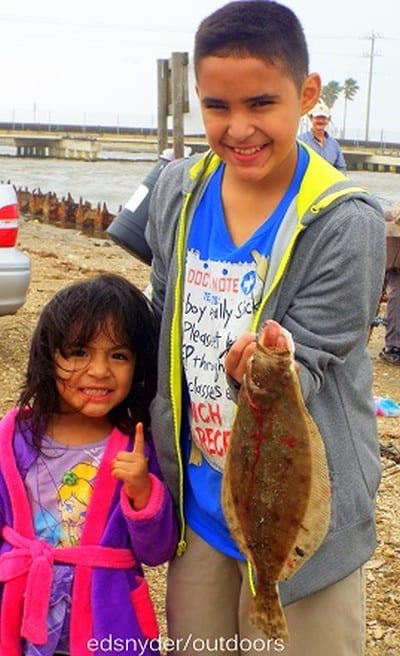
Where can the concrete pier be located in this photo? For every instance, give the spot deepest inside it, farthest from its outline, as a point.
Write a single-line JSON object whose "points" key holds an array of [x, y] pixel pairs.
{"points": [[378, 160], [85, 143], [57, 146]]}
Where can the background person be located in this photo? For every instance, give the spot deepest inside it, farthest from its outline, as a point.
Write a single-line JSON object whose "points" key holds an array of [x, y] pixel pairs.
{"points": [[319, 138], [391, 351]]}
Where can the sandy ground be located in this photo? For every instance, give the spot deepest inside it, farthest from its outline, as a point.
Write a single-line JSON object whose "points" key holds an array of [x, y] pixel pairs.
{"points": [[62, 256]]}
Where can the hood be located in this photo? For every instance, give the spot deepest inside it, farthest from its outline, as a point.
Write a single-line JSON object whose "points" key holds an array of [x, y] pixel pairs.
{"points": [[322, 188]]}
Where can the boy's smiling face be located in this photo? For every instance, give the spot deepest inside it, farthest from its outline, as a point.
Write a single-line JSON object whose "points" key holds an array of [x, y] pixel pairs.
{"points": [[251, 112]]}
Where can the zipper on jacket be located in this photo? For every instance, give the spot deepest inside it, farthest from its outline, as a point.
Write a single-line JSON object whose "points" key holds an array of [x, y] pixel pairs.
{"points": [[175, 377]]}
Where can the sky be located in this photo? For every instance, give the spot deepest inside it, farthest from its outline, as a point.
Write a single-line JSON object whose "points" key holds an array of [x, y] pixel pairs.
{"points": [[93, 62]]}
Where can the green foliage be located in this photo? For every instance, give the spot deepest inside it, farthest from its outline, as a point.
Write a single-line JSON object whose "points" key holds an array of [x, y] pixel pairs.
{"points": [[350, 88], [331, 91]]}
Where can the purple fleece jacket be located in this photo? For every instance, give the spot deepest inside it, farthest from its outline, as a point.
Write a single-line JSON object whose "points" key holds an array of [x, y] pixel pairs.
{"points": [[111, 610]]}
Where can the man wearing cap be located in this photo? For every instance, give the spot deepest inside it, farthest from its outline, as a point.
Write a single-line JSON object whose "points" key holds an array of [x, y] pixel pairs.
{"points": [[320, 140], [391, 351]]}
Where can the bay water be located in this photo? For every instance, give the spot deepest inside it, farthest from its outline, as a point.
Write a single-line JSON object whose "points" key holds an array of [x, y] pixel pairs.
{"points": [[114, 182]]}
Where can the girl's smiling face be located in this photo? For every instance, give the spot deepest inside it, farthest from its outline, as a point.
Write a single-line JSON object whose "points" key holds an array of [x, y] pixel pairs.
{"points": [[95, 378], [251, 111]]}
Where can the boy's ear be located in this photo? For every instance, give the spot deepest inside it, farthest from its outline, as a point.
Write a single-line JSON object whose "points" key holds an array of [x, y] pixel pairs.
{"points": [[310, 92]]}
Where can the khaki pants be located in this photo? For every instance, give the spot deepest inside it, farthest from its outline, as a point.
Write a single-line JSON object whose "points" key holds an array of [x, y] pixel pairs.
{"points": [[207, 611]]}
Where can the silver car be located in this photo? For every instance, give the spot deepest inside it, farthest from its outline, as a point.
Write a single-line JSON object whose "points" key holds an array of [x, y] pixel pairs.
{"points": [[15, 266]]}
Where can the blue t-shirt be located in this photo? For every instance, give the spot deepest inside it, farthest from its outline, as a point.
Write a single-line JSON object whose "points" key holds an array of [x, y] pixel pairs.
{"points": [[224, 285]]}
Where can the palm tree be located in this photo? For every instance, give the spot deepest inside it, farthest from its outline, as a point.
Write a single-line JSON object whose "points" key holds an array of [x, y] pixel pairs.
{"points": [[350, 89], [330, 93]]}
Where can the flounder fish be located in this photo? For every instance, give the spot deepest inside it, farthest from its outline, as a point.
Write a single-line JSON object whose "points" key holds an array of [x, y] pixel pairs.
{"points": [[275, 488]]}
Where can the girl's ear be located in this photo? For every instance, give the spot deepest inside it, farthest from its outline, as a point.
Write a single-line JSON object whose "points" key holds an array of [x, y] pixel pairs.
{"points": [[310, 92]]}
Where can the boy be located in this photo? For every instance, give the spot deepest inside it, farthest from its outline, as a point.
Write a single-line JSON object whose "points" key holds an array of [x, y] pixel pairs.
{"points": [[260, 228]]}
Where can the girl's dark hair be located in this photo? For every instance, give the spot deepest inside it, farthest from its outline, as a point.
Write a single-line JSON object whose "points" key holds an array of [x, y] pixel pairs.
{"points": [[72, 318], [256, 28]]}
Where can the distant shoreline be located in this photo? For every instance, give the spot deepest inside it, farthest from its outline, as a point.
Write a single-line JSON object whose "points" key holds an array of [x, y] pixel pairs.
{"points": [[103, 156]]}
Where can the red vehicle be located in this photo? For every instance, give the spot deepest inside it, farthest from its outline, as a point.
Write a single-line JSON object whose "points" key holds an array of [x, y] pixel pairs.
{"points": [[15, 267]]}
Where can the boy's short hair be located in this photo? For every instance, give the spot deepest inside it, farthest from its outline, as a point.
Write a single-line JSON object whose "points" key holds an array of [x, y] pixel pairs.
{"points": [[257, 28]]}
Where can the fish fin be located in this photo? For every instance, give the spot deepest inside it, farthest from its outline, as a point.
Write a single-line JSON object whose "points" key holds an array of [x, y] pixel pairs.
{"points": [[315, 522], [266, 614], [195, 455]]}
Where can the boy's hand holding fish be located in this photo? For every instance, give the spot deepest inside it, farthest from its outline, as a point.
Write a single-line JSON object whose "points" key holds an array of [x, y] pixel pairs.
{"points": [[238, 355], [273, 336], [131, 467]]}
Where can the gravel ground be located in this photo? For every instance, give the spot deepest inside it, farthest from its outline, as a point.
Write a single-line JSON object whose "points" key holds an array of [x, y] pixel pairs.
{"points": [[63, 256]]}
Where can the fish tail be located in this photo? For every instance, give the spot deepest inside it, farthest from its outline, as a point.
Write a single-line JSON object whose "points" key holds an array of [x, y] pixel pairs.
{"points": [[266, 614]]}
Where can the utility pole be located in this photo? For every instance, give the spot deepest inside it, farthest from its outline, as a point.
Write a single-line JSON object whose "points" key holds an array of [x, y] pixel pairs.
{"points": [[371, 68]]}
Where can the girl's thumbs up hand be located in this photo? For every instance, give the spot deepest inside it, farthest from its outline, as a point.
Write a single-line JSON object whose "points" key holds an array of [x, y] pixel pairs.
{"points": [[131, 467]]}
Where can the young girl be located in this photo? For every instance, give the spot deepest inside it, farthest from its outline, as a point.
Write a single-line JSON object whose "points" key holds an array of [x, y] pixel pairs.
{"points": [[81, 501]]}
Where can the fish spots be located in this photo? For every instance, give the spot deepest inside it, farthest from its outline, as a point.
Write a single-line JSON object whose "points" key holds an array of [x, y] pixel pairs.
{"points": [[289, 441]]}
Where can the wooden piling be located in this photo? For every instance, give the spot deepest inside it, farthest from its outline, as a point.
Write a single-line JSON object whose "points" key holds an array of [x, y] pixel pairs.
{"points": [[162, 109], [179, 62], [173, 100]]}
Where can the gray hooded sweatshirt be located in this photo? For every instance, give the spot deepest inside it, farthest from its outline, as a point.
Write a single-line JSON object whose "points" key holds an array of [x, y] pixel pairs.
{"points": [[324, 284]]}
